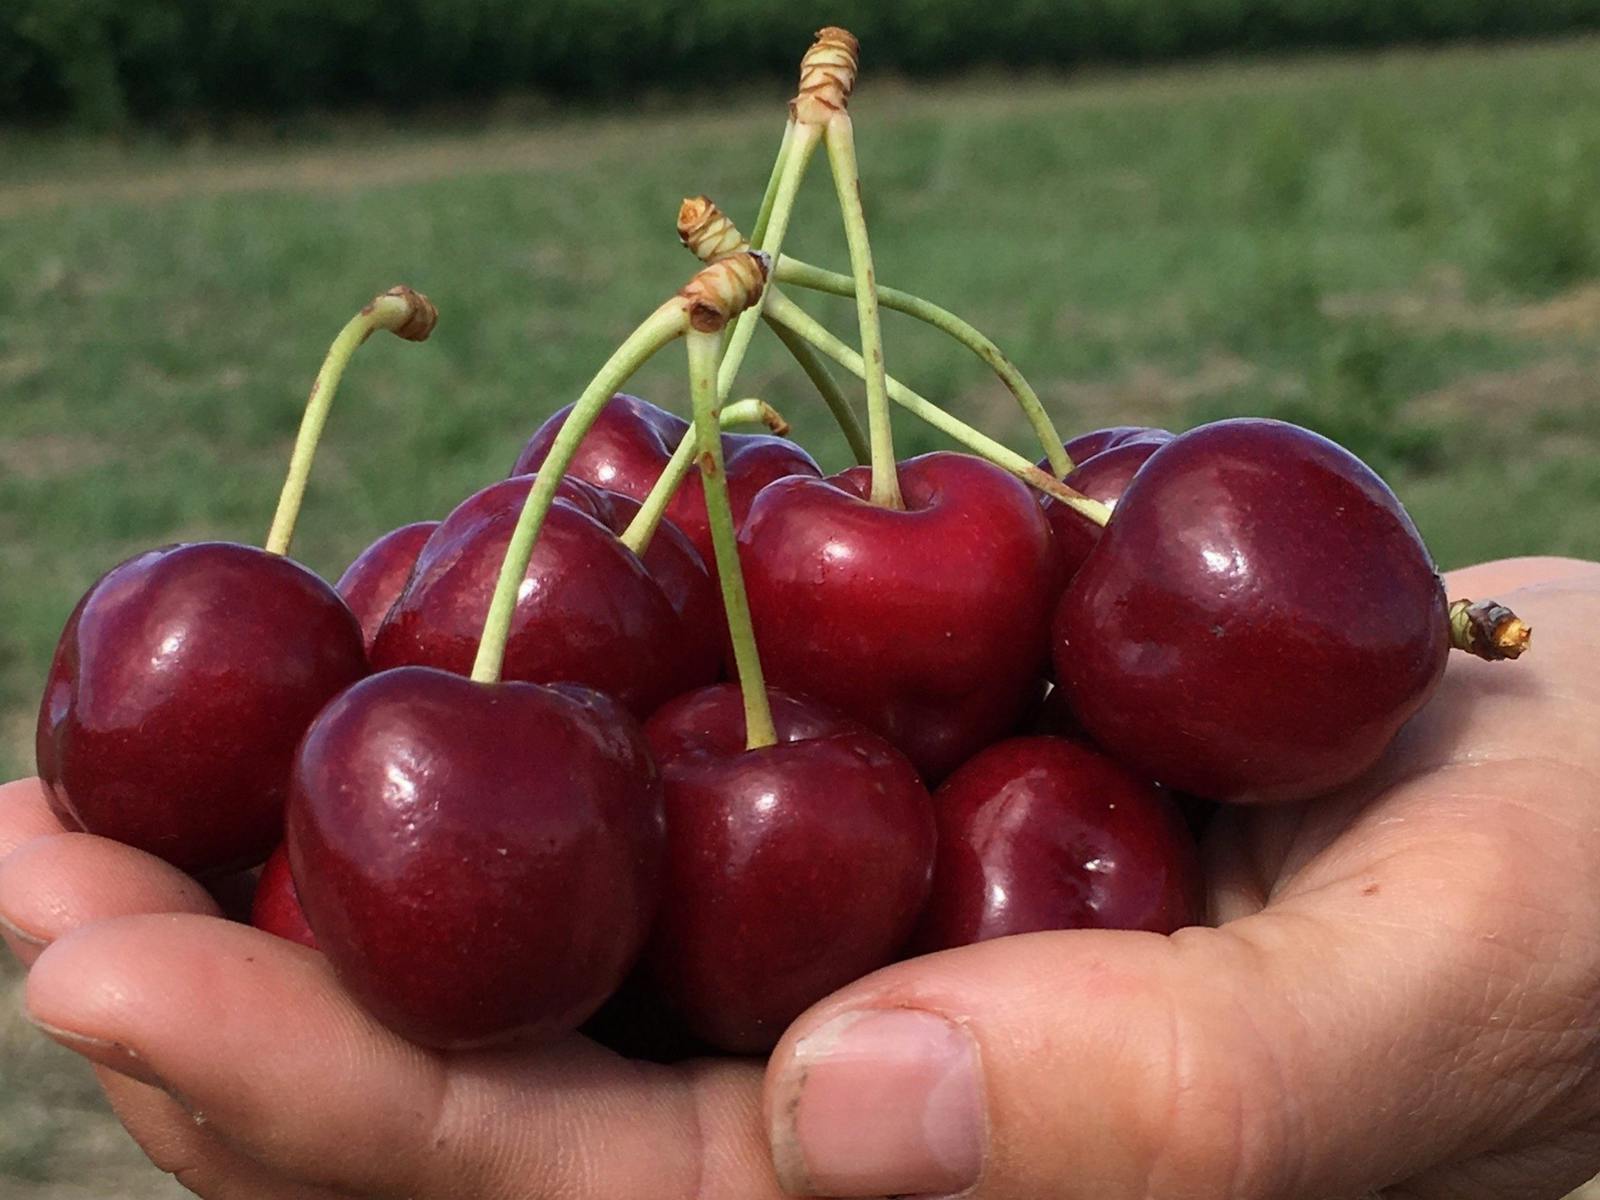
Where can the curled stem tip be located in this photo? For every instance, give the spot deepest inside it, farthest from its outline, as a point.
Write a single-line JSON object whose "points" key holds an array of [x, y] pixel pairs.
{"points": [[754, 412], [723, 289], [1489, 630], [706, 230], [827, 76], [401, 310], [406, 313]]}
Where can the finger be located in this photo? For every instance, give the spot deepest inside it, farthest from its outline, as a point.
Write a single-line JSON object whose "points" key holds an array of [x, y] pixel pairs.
{"points": [[57, 882], [24, 814], [176, 1144], [333, 1099], [1411, 1010]]}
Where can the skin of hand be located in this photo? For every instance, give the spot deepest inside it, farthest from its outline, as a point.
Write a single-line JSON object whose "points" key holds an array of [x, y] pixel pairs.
{"points": [[1400, 998]]}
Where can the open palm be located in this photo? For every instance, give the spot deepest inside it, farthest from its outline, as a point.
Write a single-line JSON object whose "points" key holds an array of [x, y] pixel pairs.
{"points": [[1402, 992]]}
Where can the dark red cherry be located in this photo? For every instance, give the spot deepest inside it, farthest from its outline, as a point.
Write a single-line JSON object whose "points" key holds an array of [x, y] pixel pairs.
{"points": [[929, 625], [1104, 477], [276, 907], [1042, 833], [589, 611], [791, 870], [373, 582], [1258, 619], [631, 442], [478, 861], [180, 686]]}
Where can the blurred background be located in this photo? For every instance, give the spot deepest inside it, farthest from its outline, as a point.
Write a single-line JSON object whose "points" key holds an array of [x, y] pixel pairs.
{"points": [[1378, 219]]}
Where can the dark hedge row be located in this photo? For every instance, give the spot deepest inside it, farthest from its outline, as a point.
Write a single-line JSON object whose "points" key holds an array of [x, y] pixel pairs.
{"points": [[106, 63]]}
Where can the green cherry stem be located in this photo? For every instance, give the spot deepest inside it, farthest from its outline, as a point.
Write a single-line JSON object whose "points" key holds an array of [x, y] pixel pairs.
{"points": [[802, 145], [647, 520], [784, 312], [840, 141], [405, 313], [668, 322], [803, 274], [758, 726], [769, 198], [827, 387]]}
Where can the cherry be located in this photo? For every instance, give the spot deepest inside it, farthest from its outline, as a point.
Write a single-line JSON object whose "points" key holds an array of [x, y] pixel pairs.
{"points": [[631, 442], [1102, 476], [928, 624], [590, 611], [1258, 619], [1043, 833], [791, 870], [373, 582], [276, 907], [478, 861], [179, 688]]}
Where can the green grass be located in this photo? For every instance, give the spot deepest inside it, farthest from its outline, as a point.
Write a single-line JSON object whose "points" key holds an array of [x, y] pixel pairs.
{"points": [[1400, 250]]}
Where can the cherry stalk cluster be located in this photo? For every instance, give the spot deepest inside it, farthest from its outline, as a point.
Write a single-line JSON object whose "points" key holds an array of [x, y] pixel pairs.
{"points": [[640, 739]]}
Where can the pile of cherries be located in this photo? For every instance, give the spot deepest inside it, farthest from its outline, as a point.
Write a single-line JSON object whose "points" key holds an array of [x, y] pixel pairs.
{"points": [[991, 713]]}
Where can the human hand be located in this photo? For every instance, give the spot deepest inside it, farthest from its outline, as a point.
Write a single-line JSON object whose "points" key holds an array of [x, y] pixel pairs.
{"points": [[1402, 994]]}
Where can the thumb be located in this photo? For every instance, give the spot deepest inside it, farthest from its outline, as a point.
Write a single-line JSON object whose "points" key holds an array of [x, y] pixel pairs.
{"points": [[1063, 1065], [1349, 1037]]}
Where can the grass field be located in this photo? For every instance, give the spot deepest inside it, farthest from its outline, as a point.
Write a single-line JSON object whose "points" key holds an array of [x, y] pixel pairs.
{"points": [[1402, 251]]}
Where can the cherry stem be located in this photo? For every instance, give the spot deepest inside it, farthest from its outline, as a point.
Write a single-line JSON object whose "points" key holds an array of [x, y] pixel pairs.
{"points": [[647, 520], [784, 312], [827, 387], [1489, 630], [708, 234], [769, 199], [840, 141], [668, 322], [802, 142], [758, 726], [803, 274], [403, 312]]}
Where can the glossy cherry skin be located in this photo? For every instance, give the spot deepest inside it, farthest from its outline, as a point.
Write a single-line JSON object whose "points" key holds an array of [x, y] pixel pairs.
{"points": [[1258, 619], [1103, 477], [180, 686], [630, 443], [791, 870], [1043, 833], [276, 907], [590, 611], [373, 582], [929, 625], [478, 861]]}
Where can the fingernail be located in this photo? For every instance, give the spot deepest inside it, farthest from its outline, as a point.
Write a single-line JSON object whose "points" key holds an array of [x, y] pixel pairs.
{"points": [[24, 946], [881, 1102], [122, 1059], [17, 934]]}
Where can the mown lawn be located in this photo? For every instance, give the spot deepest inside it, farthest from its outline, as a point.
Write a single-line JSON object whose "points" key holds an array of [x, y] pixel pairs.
{"points": [[1403, 251]]}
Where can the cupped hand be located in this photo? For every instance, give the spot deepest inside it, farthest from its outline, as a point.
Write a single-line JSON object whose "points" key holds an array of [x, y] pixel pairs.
{"points": [[1401, 997]]}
